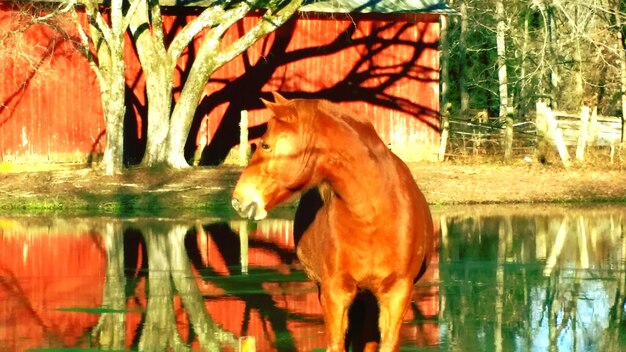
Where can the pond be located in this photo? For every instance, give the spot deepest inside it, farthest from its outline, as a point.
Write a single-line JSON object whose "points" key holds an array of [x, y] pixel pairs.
{"points": [[505, 278]]}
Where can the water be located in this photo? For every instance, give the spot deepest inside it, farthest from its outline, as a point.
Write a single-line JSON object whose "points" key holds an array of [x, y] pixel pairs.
{"points": [[506, 278]]}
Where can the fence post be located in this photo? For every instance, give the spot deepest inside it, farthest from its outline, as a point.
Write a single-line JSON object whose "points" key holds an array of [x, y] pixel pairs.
{"points": [[247, 344], [445, 120], [243, 138], [582, 134], [547, 125], [508, 138]]}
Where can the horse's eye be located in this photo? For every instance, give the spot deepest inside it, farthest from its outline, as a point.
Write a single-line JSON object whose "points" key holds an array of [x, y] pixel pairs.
{"points": [[265, 146]]}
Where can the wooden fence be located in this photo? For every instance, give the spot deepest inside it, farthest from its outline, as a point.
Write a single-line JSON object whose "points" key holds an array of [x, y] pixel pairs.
{"points": [[487, 137], [604, 130], [483, 135]]}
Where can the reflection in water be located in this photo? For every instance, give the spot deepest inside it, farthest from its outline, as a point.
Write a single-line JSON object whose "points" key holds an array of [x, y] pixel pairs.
{"points": [[505, 280], [552, 280]]}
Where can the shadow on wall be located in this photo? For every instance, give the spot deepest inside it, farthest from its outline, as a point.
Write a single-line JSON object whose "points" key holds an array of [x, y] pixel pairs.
{"points": [[372, 74]]}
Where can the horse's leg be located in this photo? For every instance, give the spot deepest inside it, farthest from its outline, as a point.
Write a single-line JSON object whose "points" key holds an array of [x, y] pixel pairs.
{"points": [[393, 303], [336, 297]]}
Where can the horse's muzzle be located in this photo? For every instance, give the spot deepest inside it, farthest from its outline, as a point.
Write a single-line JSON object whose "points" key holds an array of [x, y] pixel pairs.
{"points": [[246, 210]]}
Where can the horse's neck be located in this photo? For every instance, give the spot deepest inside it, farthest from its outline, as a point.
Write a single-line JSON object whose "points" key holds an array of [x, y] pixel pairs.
{"points": [[360, 179], [358, 165]]}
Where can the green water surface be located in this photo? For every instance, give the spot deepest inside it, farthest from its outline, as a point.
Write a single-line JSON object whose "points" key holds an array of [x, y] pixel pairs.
{"points": [[505, 278]]}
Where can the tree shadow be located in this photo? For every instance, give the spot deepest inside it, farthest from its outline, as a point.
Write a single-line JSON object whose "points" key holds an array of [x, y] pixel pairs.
{"points": [[238, 285], [367, 80]]}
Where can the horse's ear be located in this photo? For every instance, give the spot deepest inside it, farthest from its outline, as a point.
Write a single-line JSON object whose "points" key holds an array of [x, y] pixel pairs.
{"points": [[279, 98], [268, 104], [282, 111]]}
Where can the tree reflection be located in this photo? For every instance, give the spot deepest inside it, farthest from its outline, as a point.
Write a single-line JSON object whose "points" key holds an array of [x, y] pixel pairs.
{"points": [[528, 280], [159, 330], [169, 276], [250, 291], [111, 329], [211, 336], [554, 281], [172, 273]]}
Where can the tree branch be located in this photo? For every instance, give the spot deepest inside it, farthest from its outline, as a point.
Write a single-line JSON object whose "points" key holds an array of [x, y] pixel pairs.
{"points": [[269, 23], [86, 50], [208, 18], [158, 32], [131, 11], [97, 21]]}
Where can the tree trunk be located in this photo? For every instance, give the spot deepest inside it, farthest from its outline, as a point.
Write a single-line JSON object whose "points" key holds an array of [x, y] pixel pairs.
{"points": [[554, 75], [158, 71], [462, 60], [503, 79], [208, 59], [622, 55], [578, 72], [501, 49], [159, 95], [113, 85], [523, 93], [114, 111], [185, 108]]}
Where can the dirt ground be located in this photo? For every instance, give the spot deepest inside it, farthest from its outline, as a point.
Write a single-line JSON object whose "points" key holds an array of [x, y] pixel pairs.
{"points": [[153, 191]]}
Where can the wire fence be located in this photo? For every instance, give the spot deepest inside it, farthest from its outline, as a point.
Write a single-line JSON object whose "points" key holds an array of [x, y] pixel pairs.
{"points": [[500, 136], [488, 138]]}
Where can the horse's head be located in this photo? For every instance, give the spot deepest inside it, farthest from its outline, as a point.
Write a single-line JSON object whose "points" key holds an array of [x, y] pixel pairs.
{"points": [[281, 166]]}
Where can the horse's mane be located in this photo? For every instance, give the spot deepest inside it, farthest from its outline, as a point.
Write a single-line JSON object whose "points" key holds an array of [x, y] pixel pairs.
{"points": [[337, 111], [358, 123]]}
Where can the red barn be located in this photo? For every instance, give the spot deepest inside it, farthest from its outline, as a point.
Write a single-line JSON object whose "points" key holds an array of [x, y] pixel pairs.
{"points": [[379, 58]]}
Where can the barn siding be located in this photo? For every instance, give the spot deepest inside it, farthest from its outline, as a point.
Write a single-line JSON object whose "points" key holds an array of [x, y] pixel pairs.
{"points": [[54, 114], [411, 129], [50, 107]]}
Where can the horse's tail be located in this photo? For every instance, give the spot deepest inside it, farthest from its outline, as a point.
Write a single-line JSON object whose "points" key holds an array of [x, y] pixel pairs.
{"points": [[363, 333]]}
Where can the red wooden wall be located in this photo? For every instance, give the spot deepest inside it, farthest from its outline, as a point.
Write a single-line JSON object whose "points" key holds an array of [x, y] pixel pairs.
{"points": [[388, 70], [49, 103]]}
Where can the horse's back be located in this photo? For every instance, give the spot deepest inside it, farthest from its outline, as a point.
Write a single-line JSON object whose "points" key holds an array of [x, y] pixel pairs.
{"points": [[419, 218]]}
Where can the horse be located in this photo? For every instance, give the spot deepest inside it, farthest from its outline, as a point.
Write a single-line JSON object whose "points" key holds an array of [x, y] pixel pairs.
{"points": [[363, 229]]}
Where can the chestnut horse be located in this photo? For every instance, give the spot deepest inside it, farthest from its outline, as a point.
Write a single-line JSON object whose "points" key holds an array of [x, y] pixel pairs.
{"points": [[363, 229]]}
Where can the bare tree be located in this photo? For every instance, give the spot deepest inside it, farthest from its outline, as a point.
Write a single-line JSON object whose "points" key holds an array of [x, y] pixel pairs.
{"points": [[29, 14], [620, 28], [104, 49], [501, 49], [169, 123], [462, 53], [563, 51]]}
